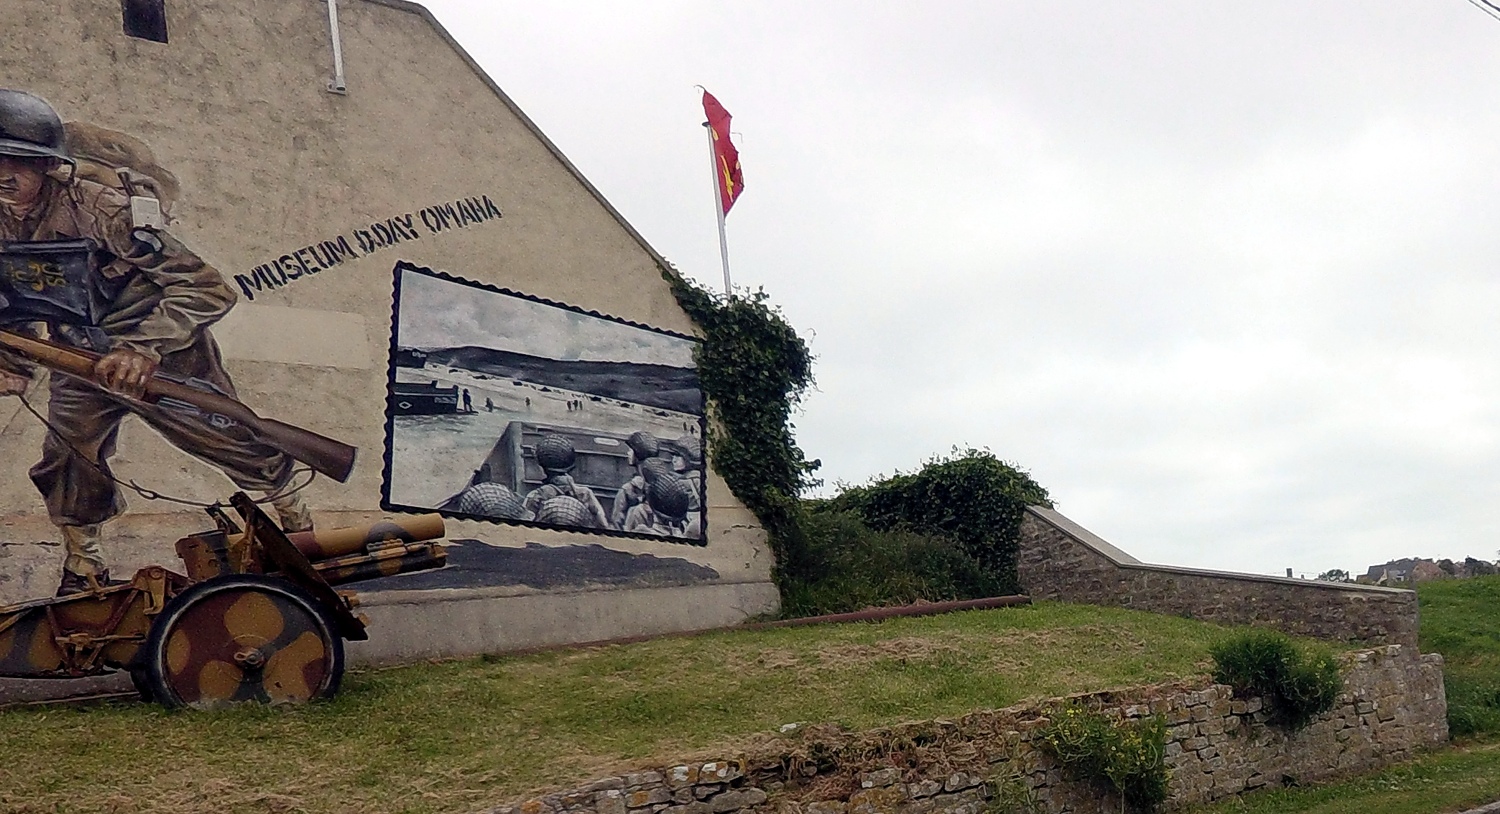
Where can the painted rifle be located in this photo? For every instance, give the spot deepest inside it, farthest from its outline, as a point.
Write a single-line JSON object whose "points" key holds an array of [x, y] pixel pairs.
{"points": [[325, 455]]}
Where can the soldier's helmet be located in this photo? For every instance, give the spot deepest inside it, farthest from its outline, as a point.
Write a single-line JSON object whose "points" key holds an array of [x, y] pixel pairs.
{"points": [[30, 128], [653, 469], [691, 450], [562, 511], [670, 497], [492, 500], [554, 453], [643, 444]]}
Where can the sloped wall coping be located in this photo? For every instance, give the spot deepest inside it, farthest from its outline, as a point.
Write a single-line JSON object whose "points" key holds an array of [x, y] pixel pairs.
{"points": [[1115, 555]]}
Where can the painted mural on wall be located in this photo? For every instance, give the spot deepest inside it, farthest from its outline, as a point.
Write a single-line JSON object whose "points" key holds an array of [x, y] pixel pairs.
{"points": [[508, 408], [95, 289]]}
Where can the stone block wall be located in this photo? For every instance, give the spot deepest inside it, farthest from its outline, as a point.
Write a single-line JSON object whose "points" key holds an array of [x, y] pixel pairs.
{"points": [[1060, 560], [1392, 706]]}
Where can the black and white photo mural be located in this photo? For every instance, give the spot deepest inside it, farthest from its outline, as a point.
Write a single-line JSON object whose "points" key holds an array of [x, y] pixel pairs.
{"points": [[510, 408]]}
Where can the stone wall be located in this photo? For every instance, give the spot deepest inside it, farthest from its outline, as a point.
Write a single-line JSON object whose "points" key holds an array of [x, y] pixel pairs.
{"points": [[1059, 559], [1217, 746]]}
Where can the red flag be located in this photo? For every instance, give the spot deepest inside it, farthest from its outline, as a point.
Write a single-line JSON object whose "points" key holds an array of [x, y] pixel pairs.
{"points": [[727, 175]]}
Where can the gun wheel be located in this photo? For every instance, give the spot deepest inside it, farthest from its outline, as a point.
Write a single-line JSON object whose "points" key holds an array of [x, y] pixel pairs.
{"points": [[242, 638]]}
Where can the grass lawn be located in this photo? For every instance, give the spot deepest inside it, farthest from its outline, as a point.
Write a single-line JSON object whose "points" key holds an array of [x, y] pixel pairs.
{"points": [[1455, 779], [459, 736], [1461, 620]]}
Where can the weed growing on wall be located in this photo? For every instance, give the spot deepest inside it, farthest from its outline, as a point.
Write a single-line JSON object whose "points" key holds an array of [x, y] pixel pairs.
{"points": [[1127, 756], [754, 369], [1299, 683], [970, 497], [1012, 794]]}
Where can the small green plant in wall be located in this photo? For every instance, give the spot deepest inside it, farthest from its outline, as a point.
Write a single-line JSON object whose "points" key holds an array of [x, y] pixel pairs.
{"points": [[1011, 794], [1299, 683], [1126, 756]]}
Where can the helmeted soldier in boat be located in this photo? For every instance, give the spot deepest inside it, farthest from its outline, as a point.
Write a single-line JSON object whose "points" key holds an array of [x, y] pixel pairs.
{"points": [[556, 457]]}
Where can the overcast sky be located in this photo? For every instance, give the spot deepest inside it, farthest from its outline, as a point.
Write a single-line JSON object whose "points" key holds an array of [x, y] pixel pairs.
{"points": [[1221, 276]]}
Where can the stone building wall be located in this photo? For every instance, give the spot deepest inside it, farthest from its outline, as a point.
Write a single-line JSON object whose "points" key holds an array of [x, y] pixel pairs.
{"points": [[1060, 560], [1392, 706]]}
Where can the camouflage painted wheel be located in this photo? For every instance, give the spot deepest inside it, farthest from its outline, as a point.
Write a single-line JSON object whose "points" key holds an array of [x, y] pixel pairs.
{"points": [[239, 638]]}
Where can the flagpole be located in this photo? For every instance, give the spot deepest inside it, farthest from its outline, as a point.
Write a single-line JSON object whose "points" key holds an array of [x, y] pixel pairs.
{"points": [[713, 160]]}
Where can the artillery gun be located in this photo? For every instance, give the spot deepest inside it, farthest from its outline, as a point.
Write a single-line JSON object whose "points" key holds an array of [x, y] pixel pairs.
{"points": [[255, 618]]}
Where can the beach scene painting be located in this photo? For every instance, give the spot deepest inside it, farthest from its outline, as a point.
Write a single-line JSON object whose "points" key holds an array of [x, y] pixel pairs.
{"points": [[509, 408]]}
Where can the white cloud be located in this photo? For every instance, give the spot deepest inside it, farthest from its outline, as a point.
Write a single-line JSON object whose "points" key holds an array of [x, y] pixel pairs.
{"points": [[1221, 276]]}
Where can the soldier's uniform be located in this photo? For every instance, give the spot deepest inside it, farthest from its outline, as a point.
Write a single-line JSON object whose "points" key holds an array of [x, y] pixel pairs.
{"points": [[157, 298], [665, 511], [555, 455], [643, 519], [632, 493], [561, 485], [160, 299], [690, 450]]}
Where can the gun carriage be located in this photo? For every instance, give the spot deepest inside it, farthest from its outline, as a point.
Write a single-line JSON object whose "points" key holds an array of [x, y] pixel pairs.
{"points": [[254, 618]]}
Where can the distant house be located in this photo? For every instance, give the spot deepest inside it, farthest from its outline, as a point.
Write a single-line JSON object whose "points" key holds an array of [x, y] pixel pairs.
{"points": [[1407, 571], [1392, 573]]}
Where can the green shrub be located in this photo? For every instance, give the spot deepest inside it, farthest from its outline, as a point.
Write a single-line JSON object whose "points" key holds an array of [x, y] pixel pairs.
{"points": [[857, 568], [754, 368], [950, 530], [970, 497], [1299, 684], [1126, 756]]}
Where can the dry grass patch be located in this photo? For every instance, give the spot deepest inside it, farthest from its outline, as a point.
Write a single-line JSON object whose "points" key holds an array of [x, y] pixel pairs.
{"points": [[460, 736]]}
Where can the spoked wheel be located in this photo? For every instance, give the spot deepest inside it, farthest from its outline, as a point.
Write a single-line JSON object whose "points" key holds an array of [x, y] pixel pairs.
{"points": [[243, 637]]}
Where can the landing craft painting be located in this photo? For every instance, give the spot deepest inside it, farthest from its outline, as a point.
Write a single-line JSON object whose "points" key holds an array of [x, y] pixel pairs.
{"points": [[512, 409]]}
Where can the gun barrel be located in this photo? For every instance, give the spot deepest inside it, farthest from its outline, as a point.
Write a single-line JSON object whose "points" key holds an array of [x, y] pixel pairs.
{"points": [[324, 545]]}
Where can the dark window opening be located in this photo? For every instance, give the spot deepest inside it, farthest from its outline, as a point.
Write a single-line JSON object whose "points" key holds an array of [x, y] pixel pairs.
{"points": [[146, 19]]}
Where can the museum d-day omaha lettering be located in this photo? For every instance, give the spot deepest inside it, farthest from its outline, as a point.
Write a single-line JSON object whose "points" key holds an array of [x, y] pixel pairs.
{"points": [[325, 254]]}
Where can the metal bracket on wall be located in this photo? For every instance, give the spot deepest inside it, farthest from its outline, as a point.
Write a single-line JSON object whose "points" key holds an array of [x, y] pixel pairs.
{"points": [[337, 84]]}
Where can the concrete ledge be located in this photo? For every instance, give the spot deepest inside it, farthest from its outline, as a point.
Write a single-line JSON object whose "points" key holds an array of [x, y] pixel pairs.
{"points": [[419, 625], [18, 691], [404, 628]]}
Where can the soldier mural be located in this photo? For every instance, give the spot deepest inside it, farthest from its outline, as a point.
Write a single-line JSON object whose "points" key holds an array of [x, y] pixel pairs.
{"points": [[643, 452], [575, 405], [91, 282]]}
